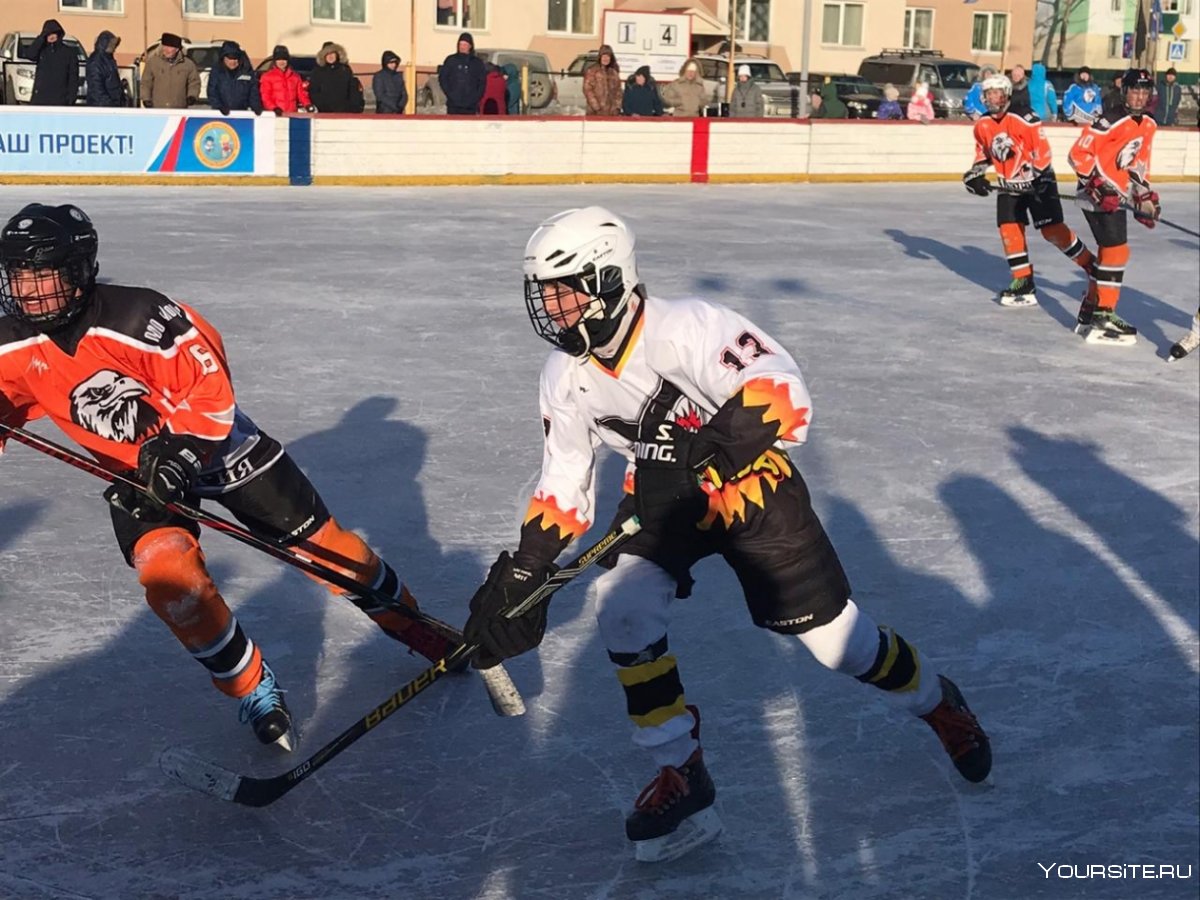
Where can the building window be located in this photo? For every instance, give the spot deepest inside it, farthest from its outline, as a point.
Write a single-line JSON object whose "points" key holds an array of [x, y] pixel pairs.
{"points": [[754, 20], [1116, 5], [842, 24], [350, 11], [222, 9], [1181, 7], [571, 16], [918, 29], [989, 32], [1114, 46], [114, 6]]}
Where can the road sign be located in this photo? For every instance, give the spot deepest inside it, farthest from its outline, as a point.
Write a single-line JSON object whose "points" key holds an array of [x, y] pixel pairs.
{"points": [[1176, 51], [1178, 29]]}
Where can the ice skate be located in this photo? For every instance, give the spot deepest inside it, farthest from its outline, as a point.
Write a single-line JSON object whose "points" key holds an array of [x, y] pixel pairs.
{"points": [[1106, 327], [960, 733], [1185, 344], [1021, 292], [674, 813], [267, 713], [1087, 309]]}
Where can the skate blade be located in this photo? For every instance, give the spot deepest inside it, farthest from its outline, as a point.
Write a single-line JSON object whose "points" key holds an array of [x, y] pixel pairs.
{"points": [[284, 742], [1108, 339], [692, 832], [1018, 302]]}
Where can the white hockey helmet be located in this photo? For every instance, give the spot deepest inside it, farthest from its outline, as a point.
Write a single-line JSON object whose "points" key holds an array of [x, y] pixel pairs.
{"points": [[997, 82], [589, 251]]}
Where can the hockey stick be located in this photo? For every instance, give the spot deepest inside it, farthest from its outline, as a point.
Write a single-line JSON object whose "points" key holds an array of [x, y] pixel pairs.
{"points": [[1075, 198], [505, 698], [217, 781]]}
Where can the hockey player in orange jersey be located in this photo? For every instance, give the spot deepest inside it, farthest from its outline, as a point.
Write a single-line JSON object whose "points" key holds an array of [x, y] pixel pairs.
{"points": [[1016, 147], [1112, 160], [141, 382]]}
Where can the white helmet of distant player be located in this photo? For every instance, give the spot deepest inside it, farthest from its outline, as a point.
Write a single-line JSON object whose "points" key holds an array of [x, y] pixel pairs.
{"points": [[580, 271], [997, 82]]}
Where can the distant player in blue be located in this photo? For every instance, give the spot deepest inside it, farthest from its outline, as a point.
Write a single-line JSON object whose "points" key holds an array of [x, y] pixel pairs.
{"points": [[1083, 100], [973, 103]]}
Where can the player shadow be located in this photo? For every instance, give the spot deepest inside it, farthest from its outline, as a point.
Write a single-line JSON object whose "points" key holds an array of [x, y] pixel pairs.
{"points": [[18, 518], [981, 267], [1144, 529]]}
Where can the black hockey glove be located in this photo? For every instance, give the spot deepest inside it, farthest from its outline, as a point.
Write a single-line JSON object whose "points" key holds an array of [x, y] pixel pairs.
{"points": [[666, 478], [278, 111], [168, 465], [224, 110], [975, 181], [507, 585]]}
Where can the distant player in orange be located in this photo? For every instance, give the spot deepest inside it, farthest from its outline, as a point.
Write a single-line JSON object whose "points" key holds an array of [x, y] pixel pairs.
{"points": [[1016, 147], [141, 382], [1112, 160]]}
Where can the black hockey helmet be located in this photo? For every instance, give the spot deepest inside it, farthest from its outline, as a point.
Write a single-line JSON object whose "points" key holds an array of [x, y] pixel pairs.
{"points": [[60, 243], [1136, 79]]}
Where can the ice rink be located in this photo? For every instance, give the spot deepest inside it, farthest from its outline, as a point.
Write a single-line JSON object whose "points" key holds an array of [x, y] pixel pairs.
{"points": [[1021, 505]]}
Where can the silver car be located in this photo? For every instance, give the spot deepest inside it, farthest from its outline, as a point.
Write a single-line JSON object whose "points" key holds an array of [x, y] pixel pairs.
{"points": [[19, 69]]}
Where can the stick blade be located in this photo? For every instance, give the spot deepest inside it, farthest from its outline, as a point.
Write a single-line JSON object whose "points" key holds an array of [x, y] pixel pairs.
{"points": [[199, 774]]}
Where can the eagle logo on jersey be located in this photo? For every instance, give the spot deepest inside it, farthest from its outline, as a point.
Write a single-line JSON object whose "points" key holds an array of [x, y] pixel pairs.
{"points": [[1129, 153], [1002, 146], [112, 406]]}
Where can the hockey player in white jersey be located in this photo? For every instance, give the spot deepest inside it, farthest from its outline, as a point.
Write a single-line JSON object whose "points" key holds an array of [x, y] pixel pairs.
{"points": [[704, 405]]}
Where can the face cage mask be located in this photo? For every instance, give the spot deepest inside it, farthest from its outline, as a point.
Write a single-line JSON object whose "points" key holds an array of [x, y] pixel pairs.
{"points": [[994, 108], [68, 300], [1140, 109], [598, 318]]}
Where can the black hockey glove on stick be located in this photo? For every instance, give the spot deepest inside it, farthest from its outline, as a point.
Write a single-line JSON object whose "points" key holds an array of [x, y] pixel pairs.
{"points": [[509, 583], [975, 180], [666, 477], [168, 466]]}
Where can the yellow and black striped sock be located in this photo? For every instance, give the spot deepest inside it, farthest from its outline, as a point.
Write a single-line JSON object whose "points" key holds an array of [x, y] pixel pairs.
{"points": [[897, 666], [653, 691]]}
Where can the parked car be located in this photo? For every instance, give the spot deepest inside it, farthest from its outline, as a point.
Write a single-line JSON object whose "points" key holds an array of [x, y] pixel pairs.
{"points": [[780, 96], [205, 54], [862, 97], [542, 90], [948, 79], [19, 69]]}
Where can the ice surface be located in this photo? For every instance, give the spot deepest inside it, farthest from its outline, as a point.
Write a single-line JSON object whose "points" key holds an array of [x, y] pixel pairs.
{"points": [[1019, 504]]}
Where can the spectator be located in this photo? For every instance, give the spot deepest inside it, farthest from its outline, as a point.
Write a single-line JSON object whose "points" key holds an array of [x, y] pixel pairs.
{"points": [[233, 83], [1169, 94], [1082, 102], [920, 105], [686, 94], [824, 103], [281, 88], [512, 88], [391, 93], [104, 85], [1114, 101], [1042, 95], [973, 103], [641, 95], [495, 92], [747, 100], [890, 107], [463, 78], [1020, 104], [170, 80], [56, 80], [602, 84], [332, 86]]}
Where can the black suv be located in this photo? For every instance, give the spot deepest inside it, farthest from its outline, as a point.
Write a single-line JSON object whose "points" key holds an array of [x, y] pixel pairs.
{"points": [[862, 98], [948, 79]]}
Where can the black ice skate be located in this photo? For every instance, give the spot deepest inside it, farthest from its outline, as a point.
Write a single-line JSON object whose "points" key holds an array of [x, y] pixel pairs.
{"points": [[266, 712], [674, 813], [1087, 309], [1106, 327], [960, 733], [1021, 292]]}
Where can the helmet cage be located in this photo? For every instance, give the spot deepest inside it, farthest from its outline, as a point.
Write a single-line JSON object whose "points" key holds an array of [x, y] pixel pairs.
{"points": [[72, 283], [591, 323], [997, 82], [1137, 80]]}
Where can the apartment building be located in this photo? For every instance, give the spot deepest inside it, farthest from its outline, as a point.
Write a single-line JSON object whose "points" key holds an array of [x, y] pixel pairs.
{"points": [[1100, 35]]}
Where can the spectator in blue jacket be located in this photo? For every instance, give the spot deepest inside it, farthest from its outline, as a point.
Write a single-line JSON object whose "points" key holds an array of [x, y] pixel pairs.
{"points": [[463, 78], [973, 103], [890, 107], [1042, 96], [104, 87], [1083, 100], [233, 83], [1166, 112], [641, 96], [391, 93], [512, 88]]}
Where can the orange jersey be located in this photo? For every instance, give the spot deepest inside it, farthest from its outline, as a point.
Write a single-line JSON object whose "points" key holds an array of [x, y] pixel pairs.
{"points": [[1015, 146], [1117, 151], [141, 363]]}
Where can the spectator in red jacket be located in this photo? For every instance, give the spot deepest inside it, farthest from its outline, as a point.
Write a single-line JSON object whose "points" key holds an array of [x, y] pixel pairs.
{"points": [[495, 93], [281, 87]]}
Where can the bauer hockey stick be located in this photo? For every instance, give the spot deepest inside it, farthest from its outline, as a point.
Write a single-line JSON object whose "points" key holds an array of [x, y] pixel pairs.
{"points": [[217, 781], [505, 698], [1125, 206]]}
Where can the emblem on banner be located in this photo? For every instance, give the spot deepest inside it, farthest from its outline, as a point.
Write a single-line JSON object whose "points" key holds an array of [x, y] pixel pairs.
{"points": [[217, 145]]}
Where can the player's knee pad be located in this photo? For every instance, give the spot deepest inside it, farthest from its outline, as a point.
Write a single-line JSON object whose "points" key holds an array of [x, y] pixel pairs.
{"points": [[1013, 236], [170, 566], [633, 604], [847, 644]]}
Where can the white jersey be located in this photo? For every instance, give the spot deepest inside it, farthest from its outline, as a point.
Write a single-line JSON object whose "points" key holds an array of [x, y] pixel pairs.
{"points": [[692, 356]]}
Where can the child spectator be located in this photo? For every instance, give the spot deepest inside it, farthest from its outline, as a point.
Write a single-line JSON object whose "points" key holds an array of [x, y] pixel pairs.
{"points": [[391, 93], [281, 87]]}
